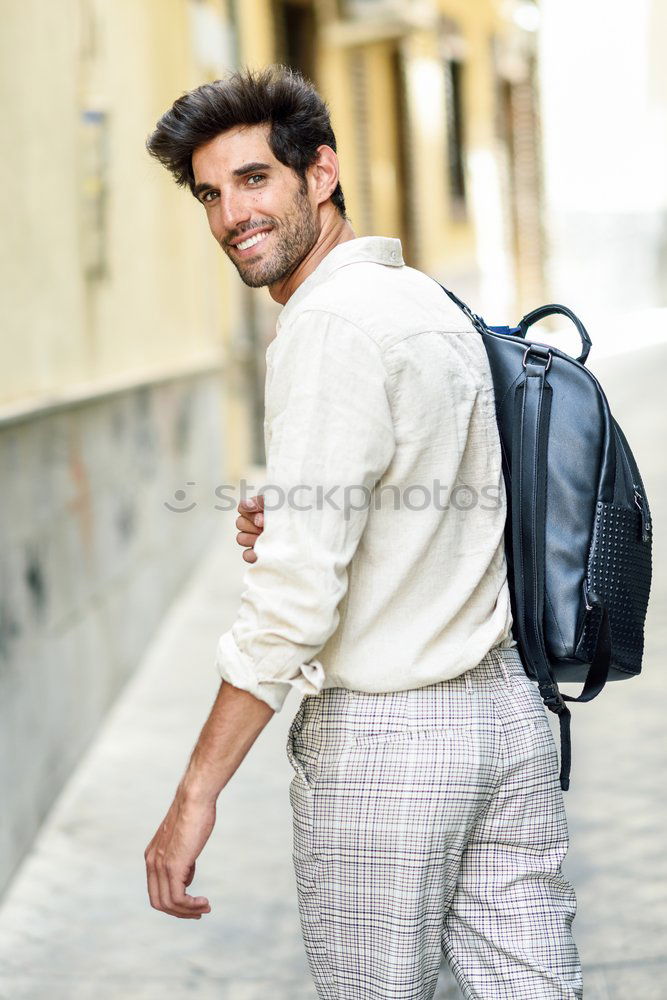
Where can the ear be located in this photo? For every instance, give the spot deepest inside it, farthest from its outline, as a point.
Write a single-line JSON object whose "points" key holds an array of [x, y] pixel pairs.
{"points": [[324, 173]]}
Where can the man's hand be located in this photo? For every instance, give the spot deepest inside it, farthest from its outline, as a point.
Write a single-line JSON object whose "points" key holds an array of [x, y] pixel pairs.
{"points": [[250, 524], [172, 853], [234, 723]]}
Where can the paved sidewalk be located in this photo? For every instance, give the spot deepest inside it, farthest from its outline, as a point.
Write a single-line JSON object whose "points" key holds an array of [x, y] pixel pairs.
{"points": [[76, 923]]}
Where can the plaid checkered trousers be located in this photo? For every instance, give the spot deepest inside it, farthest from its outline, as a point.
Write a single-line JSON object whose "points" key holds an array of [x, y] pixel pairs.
{"points": [[432, 821]]}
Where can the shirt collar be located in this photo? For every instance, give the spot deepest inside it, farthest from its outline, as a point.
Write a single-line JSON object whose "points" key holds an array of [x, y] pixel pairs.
{"points": [[376, 249]]}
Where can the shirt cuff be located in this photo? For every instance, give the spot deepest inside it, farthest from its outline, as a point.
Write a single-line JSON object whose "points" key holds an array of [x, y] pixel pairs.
{"points": [[235, 667]]}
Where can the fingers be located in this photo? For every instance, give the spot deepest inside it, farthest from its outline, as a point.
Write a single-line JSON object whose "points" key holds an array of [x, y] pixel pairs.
{"points": [[185, 904], [166, 890], [246, 540], [254, 526], [251, 504], [250, 524], [153, 885], [249, 530]]}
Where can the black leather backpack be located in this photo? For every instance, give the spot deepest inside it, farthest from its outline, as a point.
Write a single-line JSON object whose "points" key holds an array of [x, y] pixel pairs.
{"points": [[578, 533]]}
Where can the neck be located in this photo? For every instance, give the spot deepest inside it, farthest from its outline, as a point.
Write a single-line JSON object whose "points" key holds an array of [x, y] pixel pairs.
{"points": [[334, 229]]}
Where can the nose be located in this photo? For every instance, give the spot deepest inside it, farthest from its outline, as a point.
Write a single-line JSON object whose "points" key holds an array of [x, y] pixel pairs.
{"points": [[234, 209]]}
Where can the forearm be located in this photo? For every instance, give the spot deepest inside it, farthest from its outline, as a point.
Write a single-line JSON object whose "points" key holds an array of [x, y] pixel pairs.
{"points": [[234, 723]]}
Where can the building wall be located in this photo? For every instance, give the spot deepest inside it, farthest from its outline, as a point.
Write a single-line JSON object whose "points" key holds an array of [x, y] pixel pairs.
{"points": [[91, 558], [383, 68], [123, 370], [145, 311]]}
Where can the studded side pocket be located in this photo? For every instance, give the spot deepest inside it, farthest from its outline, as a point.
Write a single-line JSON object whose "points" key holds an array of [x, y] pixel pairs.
{"points": [[619, 578]]}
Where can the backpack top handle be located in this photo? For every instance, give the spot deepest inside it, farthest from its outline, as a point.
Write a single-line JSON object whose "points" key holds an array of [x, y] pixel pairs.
{"points": [[543, 311]]}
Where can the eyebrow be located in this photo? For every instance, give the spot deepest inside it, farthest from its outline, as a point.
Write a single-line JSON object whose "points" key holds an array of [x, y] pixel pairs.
{"points": [[250, 168], [247, 168]]}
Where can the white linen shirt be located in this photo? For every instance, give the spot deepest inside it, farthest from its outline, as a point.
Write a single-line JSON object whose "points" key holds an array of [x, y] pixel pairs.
{"points": [[368, 575]]}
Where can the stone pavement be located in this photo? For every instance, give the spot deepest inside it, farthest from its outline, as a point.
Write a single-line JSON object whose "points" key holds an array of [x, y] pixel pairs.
{"points": [[76, 923]]}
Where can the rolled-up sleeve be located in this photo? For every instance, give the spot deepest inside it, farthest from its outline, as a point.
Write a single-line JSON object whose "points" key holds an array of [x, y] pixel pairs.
{"points": [[330, 438]]}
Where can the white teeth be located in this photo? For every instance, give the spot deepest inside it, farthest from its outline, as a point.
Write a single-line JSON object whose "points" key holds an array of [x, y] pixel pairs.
{"points": [[251, 242]]}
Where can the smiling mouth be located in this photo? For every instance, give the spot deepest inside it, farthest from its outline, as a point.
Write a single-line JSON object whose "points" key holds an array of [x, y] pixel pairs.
{"points": [[252, 241]]}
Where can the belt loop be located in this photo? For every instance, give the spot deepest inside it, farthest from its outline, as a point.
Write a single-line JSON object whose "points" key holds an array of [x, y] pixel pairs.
{"points": [[504, 667], [468, 681]]}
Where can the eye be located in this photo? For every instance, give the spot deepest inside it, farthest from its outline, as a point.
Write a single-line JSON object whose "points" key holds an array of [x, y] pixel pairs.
{"points": [[208, 196], [254, 176]]}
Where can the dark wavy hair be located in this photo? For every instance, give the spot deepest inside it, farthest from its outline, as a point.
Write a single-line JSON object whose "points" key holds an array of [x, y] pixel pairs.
{"points": [[277, 95]]}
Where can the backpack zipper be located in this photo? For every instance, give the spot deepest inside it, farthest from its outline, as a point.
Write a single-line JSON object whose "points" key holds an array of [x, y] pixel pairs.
{"points": [[639, 494], [640, 502]]}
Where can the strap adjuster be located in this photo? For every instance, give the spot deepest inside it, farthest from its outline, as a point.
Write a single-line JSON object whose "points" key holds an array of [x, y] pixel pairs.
{"points": [[552, 697], [535, 349]]}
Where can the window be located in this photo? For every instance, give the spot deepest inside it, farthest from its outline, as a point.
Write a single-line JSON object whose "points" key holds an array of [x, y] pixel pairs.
{"points": [[404, 166], [296, 32], [455, 136]]}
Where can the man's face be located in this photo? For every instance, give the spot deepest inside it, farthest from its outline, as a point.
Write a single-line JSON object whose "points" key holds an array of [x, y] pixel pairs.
{"points": [[260, 212]]}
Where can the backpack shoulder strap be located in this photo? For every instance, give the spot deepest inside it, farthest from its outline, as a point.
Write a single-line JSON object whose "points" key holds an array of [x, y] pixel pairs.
{"points": [[531, 416], [532, 408]]}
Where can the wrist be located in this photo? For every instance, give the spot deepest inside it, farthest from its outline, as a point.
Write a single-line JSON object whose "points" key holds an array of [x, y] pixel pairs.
{"points": [[198, 790]]}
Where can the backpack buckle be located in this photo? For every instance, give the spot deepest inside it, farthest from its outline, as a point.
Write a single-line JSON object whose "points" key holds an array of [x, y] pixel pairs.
{"points": [[552, 697]]}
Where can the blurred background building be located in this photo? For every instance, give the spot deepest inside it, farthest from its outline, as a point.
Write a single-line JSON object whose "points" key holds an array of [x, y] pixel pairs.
{"points": [[603, 82], [132, 356]]}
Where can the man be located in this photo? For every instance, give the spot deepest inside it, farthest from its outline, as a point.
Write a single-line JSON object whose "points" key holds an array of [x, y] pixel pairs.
{"points": [[428, 814]]}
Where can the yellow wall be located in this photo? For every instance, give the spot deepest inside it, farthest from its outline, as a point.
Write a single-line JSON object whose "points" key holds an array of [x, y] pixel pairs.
{"points": [[256, 32], [334, 84], [382, 141], [444, 244], [159, 305], [169, 299]]}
